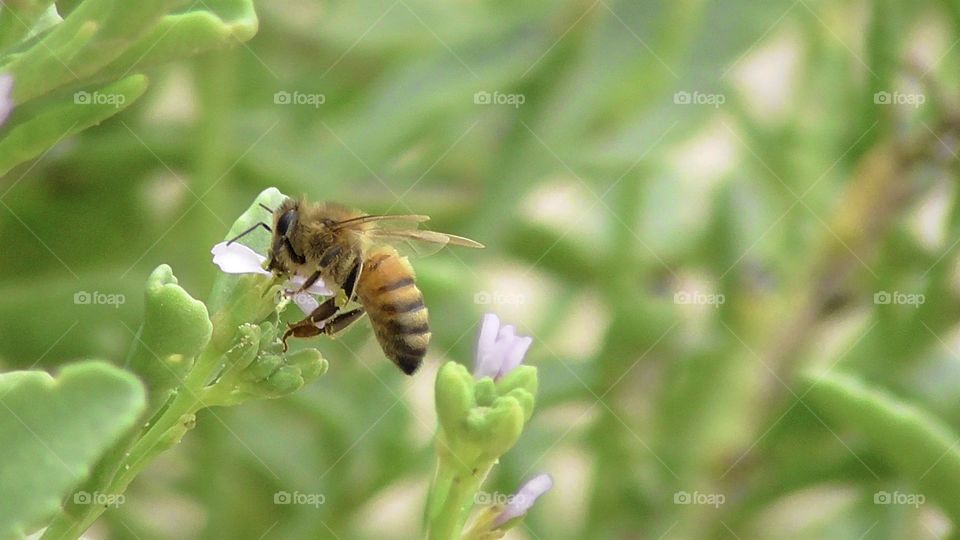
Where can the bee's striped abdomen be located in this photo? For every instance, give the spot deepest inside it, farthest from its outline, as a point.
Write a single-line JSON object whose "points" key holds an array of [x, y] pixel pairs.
{"points": [[393, 302]]}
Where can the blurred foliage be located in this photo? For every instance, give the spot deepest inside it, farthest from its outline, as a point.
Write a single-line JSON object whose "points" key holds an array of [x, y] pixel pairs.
{"points": [[600, 198]]}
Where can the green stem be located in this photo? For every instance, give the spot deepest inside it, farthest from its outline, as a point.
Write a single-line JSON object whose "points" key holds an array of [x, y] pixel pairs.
{"points": [[452, 496], [165, 432]]}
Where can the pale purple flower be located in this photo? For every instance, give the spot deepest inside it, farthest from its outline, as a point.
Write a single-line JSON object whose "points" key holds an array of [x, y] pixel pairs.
{"points": [[499, 349], [6, 96], [237, 258], [523, 499]]}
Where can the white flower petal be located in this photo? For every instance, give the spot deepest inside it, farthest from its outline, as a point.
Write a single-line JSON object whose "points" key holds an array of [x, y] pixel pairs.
{"points": [[514, 355], [319, 287], [237, 258], [485, 364], [523, 500], [6, 100]]}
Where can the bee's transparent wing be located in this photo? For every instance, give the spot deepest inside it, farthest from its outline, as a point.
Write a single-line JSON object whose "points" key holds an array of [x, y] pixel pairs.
{"points": [[401, 232], [419, 243]]}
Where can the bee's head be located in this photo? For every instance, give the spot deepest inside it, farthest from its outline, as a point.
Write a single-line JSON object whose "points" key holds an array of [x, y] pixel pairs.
{"points": [[286, 223]]}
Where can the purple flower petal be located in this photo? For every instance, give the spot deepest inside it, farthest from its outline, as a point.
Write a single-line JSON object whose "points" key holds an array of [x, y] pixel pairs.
{"points": [[486, 365], [6, 96], [515, 355], [524, 498], [238, 259], [499, 349]]}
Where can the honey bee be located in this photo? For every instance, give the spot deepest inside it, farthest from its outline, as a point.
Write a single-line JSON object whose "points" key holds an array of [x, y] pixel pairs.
{"points": [[356, 253]]}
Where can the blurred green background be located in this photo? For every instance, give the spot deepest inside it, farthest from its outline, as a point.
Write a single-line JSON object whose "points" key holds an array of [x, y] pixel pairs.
{"points": [[685, 203]]}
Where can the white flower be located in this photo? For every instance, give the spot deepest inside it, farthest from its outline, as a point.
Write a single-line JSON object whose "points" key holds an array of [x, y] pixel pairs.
{"points": [[524, 498], [499, 349], [6, 96], [237, 258]]}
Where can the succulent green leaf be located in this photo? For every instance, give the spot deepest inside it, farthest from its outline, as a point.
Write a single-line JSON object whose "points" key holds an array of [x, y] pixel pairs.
{"points": [[454, 394], [89, 38], [310, 363], [175, 329], [496, 429], [918, 445], [53, 431], [33, 136], [184, 34], [19, 19]]}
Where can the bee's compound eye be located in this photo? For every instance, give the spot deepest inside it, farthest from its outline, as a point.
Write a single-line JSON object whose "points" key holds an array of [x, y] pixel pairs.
{"points": [[285, 221]]}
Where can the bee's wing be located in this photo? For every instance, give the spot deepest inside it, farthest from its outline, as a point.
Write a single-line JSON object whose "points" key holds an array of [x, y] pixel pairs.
{"points": [[401, 232], [378, 221], [420, 243]]}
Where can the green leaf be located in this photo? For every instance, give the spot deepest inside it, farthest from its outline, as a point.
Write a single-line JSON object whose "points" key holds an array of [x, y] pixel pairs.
{"points": [[175, 330], [185, 34], [53, 430], [30, 138], [92, 36], [917, 444], [18, 19]]}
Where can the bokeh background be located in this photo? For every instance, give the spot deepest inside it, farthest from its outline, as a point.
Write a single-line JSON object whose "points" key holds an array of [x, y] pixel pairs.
{"points": [[685, 203]]}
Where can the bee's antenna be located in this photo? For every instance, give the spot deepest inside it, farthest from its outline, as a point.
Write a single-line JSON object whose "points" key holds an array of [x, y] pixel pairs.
{"points": [[267, 208], [248, 231]]}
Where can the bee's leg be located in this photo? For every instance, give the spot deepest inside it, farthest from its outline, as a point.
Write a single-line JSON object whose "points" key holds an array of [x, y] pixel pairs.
{"points": [[310, 281], [349, 284], [308, 326], [342, 321]]}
